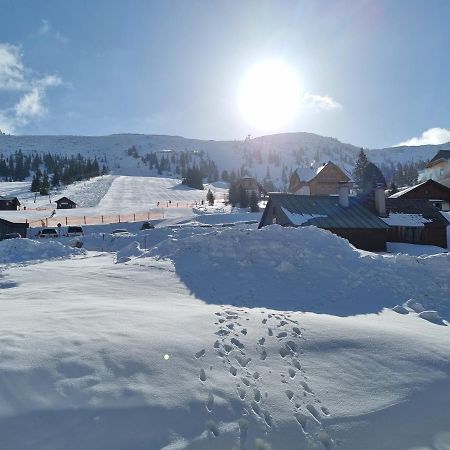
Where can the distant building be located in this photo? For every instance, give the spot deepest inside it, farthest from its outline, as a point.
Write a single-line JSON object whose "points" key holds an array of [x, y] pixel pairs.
{"points": [[321, 181], [249, 185], [9, 203], [65, 203], [436, 193], [342, 215], [7, 227], [438, 168], [410, 220]]}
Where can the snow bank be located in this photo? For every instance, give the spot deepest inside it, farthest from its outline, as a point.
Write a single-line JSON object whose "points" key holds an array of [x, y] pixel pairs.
{"points": [[14, 251], [302, 269]]}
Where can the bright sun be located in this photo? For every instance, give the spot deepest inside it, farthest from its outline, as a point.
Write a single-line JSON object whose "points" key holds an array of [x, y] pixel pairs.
{"points": [[269, 95]]}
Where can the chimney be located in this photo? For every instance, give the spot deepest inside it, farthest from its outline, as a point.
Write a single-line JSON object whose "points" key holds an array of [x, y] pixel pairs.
{"points": [[380, 200], [344, 192]]}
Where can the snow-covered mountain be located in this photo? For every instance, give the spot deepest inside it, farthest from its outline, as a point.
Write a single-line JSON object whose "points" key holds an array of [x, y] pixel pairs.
{"points": [[280, 152]]}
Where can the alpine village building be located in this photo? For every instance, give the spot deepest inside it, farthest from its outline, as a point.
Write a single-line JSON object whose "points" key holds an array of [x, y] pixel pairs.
{"points": [[324, 180]]}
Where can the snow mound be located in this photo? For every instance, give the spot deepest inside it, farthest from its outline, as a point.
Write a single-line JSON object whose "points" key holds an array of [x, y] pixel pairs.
{"points": [[129, 252], [303, 268], [18, 251]]}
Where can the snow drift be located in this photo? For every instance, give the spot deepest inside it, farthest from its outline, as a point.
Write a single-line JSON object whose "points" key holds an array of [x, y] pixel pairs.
{"points": [[19, 251], [305, 269]]}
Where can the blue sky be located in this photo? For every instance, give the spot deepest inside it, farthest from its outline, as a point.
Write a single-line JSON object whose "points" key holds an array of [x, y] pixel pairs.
{"points": [[372, 73]]}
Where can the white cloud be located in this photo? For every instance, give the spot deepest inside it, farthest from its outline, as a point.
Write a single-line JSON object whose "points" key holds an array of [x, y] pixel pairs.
{"points": [[12, 71], [31, 104], [433, 136], [321, 102], [31, 89]]}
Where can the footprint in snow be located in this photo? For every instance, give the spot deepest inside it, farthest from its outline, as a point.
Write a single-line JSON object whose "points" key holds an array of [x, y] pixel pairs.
{"points": [[202, 375], [210, 402], [306, 387], [313, 411], [200, 353], [237, 343], [212, 428]]}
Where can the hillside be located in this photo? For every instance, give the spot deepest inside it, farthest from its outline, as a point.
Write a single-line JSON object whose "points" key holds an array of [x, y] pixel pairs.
{"points": [[274, 155]]}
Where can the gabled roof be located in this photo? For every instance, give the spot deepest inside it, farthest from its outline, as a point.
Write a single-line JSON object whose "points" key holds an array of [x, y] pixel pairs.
{"points": [[66, 199], [306, 174], [324, 211], [441, 154], [9, 199], [417, 186], [416, 206]]}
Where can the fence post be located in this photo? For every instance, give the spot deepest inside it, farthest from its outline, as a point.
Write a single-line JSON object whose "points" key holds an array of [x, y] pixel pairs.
{"points": [[102, 219], [66, 220], [119, 218], [148, 215], [84, 219], [134, 217]]}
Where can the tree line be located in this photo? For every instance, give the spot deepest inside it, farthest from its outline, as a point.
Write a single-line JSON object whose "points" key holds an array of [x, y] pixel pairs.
{"points": [[49, 169]]}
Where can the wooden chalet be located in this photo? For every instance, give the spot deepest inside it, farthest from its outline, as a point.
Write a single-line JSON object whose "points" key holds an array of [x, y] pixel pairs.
{"points": [[7, 227], [9, 203], [324, 180], [438, 168], [65, 203], [410, 220], [436, 193], [342, 215]]}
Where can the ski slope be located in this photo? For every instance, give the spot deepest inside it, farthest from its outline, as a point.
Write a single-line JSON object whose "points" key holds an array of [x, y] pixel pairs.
{"points": [[111, 195]]}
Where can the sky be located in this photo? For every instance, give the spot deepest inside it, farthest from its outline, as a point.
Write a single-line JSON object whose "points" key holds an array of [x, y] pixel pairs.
{"points": [[372, 73]]}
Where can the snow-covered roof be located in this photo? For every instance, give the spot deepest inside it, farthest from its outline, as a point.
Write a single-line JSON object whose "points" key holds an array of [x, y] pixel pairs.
{"points": [[412, 188], [405, 220], [299, 218], [306, 173], [324, 211]]}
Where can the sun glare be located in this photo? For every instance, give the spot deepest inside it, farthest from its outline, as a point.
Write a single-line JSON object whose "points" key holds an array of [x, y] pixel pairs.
{"points": [[269, 95]]}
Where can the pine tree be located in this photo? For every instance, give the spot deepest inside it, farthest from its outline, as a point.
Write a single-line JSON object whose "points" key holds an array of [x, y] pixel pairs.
{"points": [[193, 179], [210, 197], [242, 195], [360, 166], [371, 177], [253, 202], [45, 185], [35, 184]]}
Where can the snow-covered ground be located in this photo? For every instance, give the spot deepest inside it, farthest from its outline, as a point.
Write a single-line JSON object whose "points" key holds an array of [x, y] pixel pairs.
{"points": [[226, 338], [198, 337], [112, 196]]}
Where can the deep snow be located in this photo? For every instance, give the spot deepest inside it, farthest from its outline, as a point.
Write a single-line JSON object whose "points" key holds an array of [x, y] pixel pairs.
{"points": [[196, 337]]}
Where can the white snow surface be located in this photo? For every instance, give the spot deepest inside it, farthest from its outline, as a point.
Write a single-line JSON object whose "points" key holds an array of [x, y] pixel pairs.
{"points": [[225, 338], [300, 219], [406, 220]]}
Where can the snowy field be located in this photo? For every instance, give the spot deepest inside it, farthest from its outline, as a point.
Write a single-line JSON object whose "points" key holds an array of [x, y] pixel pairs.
{"points": [[194, 336], [110, 195], [222, 338]]}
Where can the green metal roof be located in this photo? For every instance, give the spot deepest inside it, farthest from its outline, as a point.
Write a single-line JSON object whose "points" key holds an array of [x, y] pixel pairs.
{"points": [[334, 215]]}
